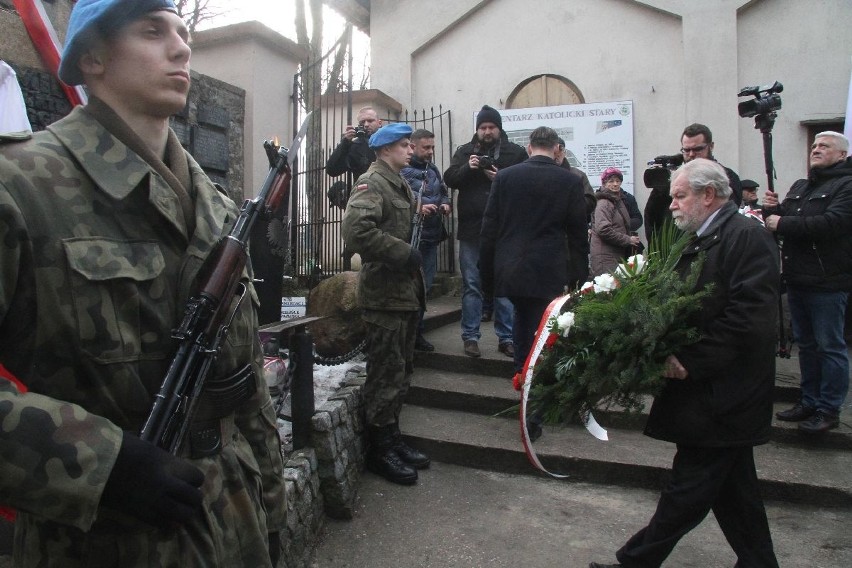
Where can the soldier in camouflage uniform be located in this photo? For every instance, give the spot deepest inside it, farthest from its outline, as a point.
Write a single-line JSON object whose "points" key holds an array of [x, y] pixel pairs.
{"points": [[104, 223], [377, 225]]}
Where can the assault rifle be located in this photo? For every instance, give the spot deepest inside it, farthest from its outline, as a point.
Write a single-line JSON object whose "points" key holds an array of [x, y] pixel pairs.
{"points": [[417, 220], [208, 314]]}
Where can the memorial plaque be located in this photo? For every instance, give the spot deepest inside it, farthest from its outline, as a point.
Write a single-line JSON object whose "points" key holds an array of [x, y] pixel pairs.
{"points": [[213, 115], [210, 148]]}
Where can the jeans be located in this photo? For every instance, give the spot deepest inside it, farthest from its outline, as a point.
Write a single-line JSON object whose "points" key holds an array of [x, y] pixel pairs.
{"points": [[472, 298], [430, 267], [818, 319]]}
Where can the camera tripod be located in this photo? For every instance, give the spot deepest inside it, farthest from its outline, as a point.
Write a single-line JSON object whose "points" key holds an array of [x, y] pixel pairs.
{"points": [[764, 123]]}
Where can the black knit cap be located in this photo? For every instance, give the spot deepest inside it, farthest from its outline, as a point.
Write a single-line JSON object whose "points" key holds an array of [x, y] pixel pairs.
{"points": [[489, 114]]}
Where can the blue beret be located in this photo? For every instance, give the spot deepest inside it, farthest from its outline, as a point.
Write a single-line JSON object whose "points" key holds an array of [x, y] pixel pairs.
{"points": [[390, 134], [91, 18]]}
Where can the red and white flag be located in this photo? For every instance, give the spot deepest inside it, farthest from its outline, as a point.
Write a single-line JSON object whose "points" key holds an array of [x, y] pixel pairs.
{"points": [[47, 43]]}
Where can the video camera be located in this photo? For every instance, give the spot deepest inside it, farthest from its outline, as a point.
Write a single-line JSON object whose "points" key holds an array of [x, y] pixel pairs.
{"points": [[658, 174], [766, 100]]}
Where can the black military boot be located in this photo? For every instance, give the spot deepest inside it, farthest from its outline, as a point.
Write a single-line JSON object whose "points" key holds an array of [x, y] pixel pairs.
{"points": [[408, 454], [383, 460]]}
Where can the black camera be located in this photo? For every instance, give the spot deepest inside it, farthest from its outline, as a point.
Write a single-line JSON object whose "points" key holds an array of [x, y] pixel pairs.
{"points": [[361, 132], [486, 162], [766, 100], [658, 174]]}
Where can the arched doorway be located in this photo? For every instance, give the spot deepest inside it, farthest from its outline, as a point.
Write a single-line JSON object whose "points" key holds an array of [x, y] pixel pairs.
{"points": [[544, 90]]}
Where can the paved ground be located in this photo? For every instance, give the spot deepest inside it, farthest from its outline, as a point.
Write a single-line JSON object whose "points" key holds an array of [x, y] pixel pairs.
{"points": [[457, 517]]}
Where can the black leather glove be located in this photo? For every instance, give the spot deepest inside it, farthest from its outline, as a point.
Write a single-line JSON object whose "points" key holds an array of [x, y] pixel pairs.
{"points": [[415, 260], [152, 485]]}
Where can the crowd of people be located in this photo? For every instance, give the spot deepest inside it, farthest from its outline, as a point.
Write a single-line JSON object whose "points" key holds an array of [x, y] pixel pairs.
{"points": [[105, 222]]}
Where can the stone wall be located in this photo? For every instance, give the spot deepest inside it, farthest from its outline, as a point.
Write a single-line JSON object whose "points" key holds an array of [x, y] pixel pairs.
{"points": [[211, 128], [323, 480], [338, 439]]}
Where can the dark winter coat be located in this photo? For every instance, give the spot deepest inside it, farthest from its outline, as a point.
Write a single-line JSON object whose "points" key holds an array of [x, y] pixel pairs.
{"points": [[350, 156], [588, 192], [632, 210], [435, 194], [726, 400], [532, 208], [473, 185], [816, 226]]}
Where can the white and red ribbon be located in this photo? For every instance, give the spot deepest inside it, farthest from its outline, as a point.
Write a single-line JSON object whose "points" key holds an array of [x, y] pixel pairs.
{"points": [[539, 343], [47, 43]]}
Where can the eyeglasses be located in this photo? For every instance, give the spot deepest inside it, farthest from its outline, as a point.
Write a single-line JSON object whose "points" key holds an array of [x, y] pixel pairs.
{"points": [[694, 149]]}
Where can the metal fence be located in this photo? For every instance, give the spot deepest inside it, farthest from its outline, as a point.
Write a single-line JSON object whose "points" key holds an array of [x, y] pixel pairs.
{"points": [[317, 249]]}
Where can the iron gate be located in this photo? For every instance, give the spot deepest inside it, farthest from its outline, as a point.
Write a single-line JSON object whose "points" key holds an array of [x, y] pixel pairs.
{"points": [[317, 249]]}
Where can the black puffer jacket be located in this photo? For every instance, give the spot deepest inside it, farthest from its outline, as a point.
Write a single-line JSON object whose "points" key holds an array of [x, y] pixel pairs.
{"points": [[727, 398], [473, 185], [816, 226]]}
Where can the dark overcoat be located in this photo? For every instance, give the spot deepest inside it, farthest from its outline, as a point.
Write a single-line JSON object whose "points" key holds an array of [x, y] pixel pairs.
{"points": [[532, 208], [726, 400]]}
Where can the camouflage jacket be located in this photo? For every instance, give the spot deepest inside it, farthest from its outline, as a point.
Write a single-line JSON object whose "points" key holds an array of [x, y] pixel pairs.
{"points": [[377, 225], [95, 268]]}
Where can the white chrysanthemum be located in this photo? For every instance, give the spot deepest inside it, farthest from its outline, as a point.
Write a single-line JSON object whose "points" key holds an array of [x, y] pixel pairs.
{"points": [[633, 266], [638, 261], [605, 283], [565, 321]]}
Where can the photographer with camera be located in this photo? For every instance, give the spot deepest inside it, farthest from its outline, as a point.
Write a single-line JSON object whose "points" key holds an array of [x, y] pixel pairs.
{"points": [[353, 153], [471, 171], [815, 221], [696, 141]]}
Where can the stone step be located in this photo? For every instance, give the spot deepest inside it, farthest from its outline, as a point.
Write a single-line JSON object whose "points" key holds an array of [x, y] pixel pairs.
{"points": [[787, 473], [481, 394]]}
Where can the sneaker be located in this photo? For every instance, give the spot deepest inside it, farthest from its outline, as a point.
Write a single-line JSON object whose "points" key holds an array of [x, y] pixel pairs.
{"points": [[822, 421], [798, 413], [471, 348], [420, 344], [507, 348], [486, 316]]}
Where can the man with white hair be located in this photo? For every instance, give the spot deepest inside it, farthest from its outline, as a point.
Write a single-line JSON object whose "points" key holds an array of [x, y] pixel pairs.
{"points": [[815, 221], [717, 404]]}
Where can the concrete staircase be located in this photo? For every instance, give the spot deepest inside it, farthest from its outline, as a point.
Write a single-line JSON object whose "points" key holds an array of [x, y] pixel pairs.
{"points": [[453, 406]]}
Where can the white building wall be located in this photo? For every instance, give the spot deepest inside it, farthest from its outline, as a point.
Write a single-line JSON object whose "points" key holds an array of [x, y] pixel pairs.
{"points": [[679, 61], [261, 61], [807, 46]]}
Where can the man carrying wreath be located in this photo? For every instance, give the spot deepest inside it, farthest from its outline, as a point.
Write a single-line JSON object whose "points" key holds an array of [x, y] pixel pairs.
{"points": [[717, 404]]}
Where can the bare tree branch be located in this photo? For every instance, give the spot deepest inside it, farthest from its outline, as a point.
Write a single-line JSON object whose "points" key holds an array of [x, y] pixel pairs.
{"points": [[335, 72], [193, 12]]}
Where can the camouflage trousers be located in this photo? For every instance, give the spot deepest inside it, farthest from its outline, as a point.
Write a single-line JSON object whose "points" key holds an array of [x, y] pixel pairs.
{"points": [[390, 356]]}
